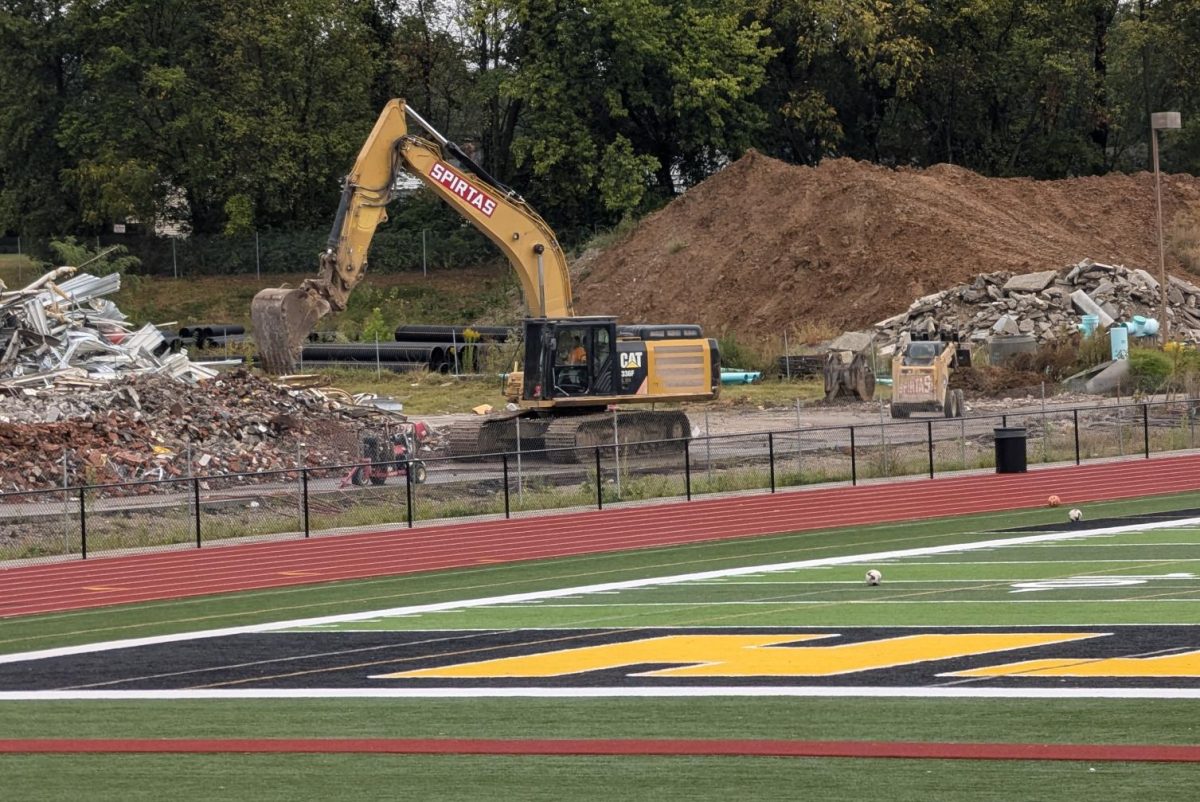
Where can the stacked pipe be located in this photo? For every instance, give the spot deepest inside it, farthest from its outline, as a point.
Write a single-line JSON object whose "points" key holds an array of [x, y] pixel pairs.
{"points": [[212, 335], [440, 349]]}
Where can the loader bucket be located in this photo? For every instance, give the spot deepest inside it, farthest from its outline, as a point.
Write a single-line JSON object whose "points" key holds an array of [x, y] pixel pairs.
{"points": [[282, 321]]}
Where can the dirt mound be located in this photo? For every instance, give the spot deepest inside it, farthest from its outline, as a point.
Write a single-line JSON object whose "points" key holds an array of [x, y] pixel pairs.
{"points": [[764, 246]]}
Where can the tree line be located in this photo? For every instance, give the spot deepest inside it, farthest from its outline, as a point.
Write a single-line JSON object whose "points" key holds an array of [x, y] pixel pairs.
{"points": [[229, 117]]}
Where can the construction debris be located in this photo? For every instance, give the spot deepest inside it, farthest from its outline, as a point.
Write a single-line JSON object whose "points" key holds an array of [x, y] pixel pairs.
{"points": [[1048, 305], [65, 333], [89, 400], [145, 427]]}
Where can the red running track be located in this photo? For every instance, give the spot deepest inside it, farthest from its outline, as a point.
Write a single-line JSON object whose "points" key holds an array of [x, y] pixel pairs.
{"points": [[663, 747], [221, 569]]}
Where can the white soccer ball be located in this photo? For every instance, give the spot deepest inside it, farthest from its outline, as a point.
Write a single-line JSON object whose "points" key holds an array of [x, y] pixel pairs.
{"points": [[1075, 515], [874, 577]]}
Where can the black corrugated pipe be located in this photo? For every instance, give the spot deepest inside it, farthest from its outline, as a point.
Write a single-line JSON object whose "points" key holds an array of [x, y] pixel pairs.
{"points": [[449, 334]]}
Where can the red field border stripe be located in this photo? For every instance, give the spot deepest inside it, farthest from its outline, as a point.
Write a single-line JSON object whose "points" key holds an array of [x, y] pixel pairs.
{"points": [[230, 567], [721, 748]]}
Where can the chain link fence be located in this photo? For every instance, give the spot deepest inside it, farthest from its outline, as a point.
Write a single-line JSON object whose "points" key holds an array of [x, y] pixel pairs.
{"points": [[410, 489], [393, 249]]}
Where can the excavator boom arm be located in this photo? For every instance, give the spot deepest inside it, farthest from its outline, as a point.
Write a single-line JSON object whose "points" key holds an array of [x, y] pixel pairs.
{"points": [[283, 318]]}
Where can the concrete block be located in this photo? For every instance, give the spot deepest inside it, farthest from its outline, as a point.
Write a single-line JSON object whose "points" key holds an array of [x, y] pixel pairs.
{"points": [[1031, 282]]}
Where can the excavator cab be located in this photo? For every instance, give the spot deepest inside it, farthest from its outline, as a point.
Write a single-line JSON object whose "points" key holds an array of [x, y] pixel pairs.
{"points": [[593, 362], [569, 358]]}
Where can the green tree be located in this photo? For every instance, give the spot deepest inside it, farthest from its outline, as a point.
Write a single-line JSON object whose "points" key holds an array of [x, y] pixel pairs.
{"points": [[39, 80], [838, 74], [143, 128], [1156, 67], [295, 105], [100, 262], [1013, 88], [375, 328], [673, 79]]}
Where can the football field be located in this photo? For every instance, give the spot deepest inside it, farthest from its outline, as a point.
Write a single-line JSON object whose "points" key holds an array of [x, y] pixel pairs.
{"points": [[1002, 656]]}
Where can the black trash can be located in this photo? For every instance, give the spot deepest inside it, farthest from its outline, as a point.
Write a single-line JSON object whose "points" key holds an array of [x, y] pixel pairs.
{"points": [[1010, 449]]}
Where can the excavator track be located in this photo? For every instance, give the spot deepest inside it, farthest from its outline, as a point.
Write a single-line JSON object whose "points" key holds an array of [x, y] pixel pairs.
{"points": [[571, 439], [496, 434]]}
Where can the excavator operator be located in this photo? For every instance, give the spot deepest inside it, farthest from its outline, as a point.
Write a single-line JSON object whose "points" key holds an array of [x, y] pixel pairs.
{"points": [[578, 354]]}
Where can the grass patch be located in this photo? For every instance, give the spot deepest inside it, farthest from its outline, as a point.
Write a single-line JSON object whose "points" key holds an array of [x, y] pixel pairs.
{"points": [[401, 297], [421, 392], [16, 270], [466, 777]]}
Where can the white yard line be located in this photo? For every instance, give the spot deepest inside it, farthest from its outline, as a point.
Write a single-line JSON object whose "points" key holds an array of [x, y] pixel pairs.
{"points": [[539, 595], [940, 692], [1021, 562]]}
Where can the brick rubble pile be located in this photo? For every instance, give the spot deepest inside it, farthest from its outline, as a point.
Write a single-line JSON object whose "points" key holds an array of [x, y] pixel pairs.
{"points": [[149, 427]]}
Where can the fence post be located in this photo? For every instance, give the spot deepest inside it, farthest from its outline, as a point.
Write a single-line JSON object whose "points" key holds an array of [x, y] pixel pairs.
{"points": [[687, 468], [504, 463], [83, 521], [853, 460], [196, 503], [1120, 432], [962, 442], [1146, 428], [1075, 417], [599, 483], [408, 494], [771, 457], [929, 427], [304, 494]]}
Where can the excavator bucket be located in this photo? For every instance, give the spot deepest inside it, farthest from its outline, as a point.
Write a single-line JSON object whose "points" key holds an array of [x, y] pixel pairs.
{"points": [[862, 378], [282, 321]]}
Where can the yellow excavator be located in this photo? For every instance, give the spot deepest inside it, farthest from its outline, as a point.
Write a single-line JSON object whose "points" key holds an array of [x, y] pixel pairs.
{"points": [[576, 369]]}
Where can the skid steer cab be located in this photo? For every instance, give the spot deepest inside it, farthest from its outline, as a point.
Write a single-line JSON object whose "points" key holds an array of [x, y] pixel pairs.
{"points": [[390, 452], [921, 376]]}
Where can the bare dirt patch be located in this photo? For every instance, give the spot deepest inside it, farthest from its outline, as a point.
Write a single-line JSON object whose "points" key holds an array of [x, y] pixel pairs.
{"points": [[765, 246]]}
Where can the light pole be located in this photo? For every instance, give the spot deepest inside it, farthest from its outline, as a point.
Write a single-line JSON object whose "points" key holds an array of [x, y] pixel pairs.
{"points": [[1161, 120]]}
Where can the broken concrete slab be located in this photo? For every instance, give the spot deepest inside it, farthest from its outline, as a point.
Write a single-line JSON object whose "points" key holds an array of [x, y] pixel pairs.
{"points": [[1007, 324], [855, 341], [1109, 379], [1030, 282]]}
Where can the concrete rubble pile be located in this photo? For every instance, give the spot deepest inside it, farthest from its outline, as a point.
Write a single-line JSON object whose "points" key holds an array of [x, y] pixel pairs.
{"points": [[64, 332], [1048, 304], [152, 427]]}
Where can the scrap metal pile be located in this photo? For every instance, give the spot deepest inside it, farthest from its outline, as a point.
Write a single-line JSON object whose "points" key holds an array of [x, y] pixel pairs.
{"points": [[56, 332], [1049, 304]]}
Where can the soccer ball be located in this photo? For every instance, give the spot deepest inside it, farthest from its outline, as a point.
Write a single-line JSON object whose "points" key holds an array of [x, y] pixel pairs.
{"points": [[1054, 501], [1075, 515], [874, 577]]}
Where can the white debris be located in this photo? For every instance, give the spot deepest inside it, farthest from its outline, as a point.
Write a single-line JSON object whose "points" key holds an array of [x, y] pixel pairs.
{"points": [[61, 331]]}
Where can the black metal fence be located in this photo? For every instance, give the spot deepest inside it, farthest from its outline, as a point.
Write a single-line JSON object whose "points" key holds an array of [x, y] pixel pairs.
{"points": [[84, 521]]}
